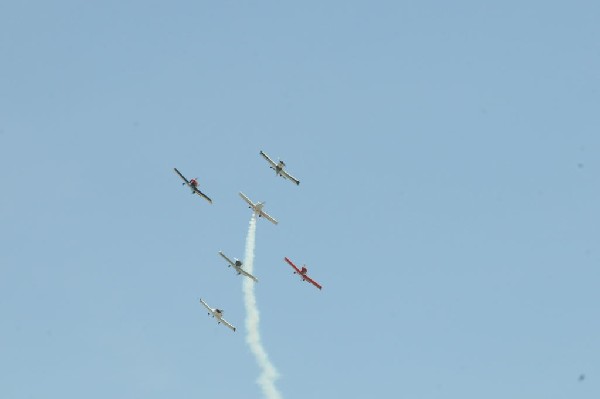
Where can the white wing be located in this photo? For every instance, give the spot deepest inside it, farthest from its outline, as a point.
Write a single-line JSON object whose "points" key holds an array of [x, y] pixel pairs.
{"points": [[269, 160], [225, 322], [268, 217], [227, 259], [211, 310], [245, 273], [247, 200], [292, 178]]}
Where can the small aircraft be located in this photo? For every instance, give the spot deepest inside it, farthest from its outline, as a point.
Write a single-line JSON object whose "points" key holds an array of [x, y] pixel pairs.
{"points": [[193, 185], [302, 273], [218, 313], [238, 266], [258, 208], [279, 168]]}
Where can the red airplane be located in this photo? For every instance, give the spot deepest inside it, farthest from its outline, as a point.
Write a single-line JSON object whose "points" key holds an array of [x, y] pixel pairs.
{"points": [[302, 273]]}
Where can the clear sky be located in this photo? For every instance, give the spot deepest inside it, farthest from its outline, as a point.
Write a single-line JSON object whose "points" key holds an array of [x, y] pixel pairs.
{"points": [[448, 154]]}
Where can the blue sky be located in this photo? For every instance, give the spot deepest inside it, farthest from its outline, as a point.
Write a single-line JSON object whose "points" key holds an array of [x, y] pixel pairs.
{"points": [[448, 158]]}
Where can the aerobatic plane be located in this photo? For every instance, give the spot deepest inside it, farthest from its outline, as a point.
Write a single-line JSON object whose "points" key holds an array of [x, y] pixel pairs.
{"points": [[279, 168], [218, 313], [193, 185], [302, 273], [238, 266], [258, 208]]}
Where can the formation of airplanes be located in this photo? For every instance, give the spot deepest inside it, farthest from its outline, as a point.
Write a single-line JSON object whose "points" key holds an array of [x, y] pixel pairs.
{"points": [[258, 209]]}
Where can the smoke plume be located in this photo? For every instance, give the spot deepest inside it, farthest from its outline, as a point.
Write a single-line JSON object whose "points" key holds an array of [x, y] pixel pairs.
{"points": [[268, 374]]}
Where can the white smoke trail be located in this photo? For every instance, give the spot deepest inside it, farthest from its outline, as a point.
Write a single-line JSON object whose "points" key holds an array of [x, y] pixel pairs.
{"points": [[269, 374]]}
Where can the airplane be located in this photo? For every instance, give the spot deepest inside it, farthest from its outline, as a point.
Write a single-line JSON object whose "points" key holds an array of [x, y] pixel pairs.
{"points": [[302, 273], [218, 313], [258, 208], [193, 185], [279, 168], [238, 266]]}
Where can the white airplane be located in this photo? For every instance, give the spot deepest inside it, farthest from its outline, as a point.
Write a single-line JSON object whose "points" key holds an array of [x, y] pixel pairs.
{"points": [[238, 266], [258, 208], [279, 168], [218, 313]]}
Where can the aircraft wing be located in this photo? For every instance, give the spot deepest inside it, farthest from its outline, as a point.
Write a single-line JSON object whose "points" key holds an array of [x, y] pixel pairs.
{"points": [[201, 194], [245, 273], [292, 178], [291, 264], [269, 160], [310, 280], [182, 178], [225, 322], [211, 310], [227, 259], [247, 199], [268, 217]]}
